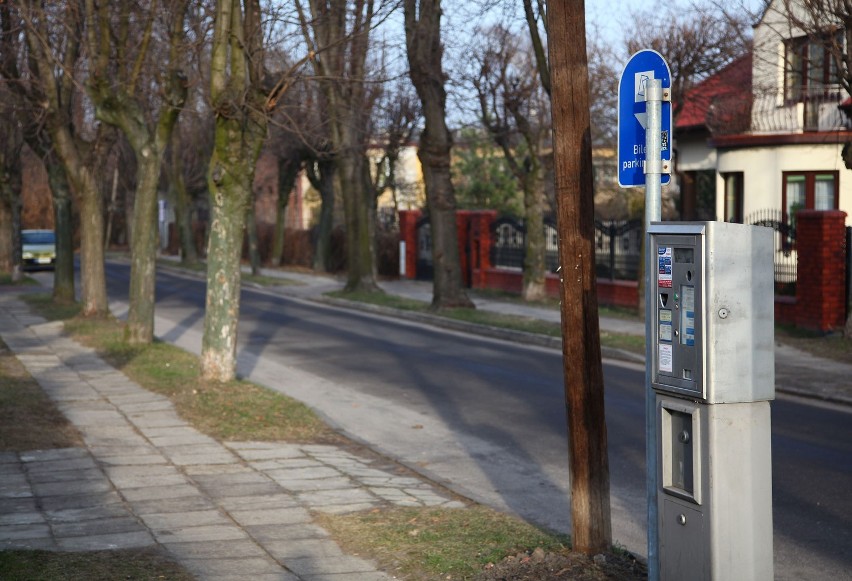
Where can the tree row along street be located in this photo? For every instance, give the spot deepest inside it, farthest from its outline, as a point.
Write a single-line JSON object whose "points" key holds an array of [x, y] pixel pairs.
{"points": [[484, 416]]}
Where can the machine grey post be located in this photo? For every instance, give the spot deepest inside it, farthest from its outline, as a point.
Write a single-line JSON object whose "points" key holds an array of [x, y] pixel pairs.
{"points": [[653, 191]]}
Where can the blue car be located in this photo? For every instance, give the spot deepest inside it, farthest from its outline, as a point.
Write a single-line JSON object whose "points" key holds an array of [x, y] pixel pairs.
{"points": [[38, 248]]}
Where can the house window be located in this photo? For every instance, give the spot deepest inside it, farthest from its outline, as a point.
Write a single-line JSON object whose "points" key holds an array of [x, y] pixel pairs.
{"points": [[809, 190], [733, 196], [811, 74], [810, 67]]}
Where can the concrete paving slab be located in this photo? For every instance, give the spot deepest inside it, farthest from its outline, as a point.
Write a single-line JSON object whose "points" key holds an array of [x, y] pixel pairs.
{"points": [[71, 501], [271, 516], [21, 518], [132, 460], [25, 531], [95, 527], [278, 500], [74, 487], [12, 505], [40, 544], [208, 549], [247, 568], [130, 540], [311, 473], [221, 457], [316, 549], [207, 469], [239, 490], [43, 477], [271, 533], [165, 521], [289, 463], [339, 483], [347, 508], [160, 492], [60, 465], [245, 476], [323, 498], [53, 454], [201, 534], [167, 505], [74, 515], [308, 566]]}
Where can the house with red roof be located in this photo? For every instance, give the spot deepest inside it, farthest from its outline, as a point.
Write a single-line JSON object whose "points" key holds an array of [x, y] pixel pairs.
{"points": [[766, 133]]}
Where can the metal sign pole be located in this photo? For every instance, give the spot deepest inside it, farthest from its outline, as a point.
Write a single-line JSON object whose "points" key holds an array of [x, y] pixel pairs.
{"points": [[653, 191]]}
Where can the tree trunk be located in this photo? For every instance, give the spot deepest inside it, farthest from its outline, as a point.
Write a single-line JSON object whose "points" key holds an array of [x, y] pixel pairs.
{"points": [[236, 78], [360, 266], [143, 250], [63, 271], [288, 171], [230, 192], [535, 248], [93, 275], [183, 213], [324, 183], [584, 388], [423, 42], [251, 234]]}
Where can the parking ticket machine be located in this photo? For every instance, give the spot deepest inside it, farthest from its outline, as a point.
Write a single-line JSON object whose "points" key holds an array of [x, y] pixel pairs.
{"points": [[713, 375]]}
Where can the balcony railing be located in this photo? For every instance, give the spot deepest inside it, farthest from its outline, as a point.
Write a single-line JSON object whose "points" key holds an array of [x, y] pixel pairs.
{"points": [[801, 109]]}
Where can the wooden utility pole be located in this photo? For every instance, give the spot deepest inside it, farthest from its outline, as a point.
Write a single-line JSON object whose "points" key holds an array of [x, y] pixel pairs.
{"points": [[584, 389]]}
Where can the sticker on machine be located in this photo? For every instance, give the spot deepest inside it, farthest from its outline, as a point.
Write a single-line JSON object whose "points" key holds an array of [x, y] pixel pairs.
{"points": [[664, 263], [665, 358]]}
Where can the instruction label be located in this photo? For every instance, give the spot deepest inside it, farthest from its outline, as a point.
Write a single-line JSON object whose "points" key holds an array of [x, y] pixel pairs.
{"points": [[664, 270], [665, 357], [688, 316], [665, 325]]}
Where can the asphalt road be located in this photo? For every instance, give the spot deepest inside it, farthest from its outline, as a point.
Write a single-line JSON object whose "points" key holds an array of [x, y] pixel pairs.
{"points": [[486, 417]]}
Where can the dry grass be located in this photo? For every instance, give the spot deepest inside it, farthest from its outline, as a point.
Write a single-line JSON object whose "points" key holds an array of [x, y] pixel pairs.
{"points": [[127, 564]]}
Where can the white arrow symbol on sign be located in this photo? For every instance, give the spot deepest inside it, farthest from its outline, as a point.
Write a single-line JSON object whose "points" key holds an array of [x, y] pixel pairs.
{"points": [[642, 118]]}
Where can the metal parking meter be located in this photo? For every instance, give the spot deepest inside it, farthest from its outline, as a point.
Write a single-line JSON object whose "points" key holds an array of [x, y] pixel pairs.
{"points": [[713, 373]]}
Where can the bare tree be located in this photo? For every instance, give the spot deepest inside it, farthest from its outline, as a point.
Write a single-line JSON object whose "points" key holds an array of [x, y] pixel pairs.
{"points": [[120, 51], [52, 34], [425, 52], [241, 106], [515, 111], [338, 38], [24, 93], [10, 191], [696, 42]]}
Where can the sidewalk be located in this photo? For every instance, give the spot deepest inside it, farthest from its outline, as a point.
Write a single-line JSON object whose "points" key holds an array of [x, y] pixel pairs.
{"points": [[232, 510]]}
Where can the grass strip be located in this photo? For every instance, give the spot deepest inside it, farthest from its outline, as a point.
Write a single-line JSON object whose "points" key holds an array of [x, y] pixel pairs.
{"points": [[632, 343], [129, 564], [420, 544], [236, 410]]}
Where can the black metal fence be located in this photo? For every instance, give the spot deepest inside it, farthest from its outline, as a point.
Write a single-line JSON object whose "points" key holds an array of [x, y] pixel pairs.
{"points": [[618, 249], [618, 244], [509, 235], [785, 247]]}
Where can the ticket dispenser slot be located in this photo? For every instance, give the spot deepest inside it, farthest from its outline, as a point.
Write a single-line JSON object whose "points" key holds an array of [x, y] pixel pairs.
{"points": [[680, 430]]}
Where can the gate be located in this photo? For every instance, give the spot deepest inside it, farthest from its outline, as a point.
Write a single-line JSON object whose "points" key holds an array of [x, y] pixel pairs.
{"points": [[425, 268], [509, 237], [785, 248]]}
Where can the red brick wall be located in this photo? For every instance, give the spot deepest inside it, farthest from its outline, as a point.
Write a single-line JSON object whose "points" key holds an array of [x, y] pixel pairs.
{"points": [[820, 288]]}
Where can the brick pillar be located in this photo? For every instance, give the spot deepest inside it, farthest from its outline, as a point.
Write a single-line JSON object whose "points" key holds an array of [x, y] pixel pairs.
{"points": [[463, 218], [821, 272], [480, 241], [408, 234]]}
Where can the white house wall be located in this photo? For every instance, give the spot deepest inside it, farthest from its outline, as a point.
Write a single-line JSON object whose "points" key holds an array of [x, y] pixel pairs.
{"points": [[694, 154], [762, 168]]}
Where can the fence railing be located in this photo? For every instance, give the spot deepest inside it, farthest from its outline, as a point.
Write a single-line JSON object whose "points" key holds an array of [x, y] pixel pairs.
{"points": [[618, 244], [785, 247]]}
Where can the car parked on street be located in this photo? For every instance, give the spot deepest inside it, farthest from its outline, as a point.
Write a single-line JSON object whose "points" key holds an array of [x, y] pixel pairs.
{"points": [[38, 249]]}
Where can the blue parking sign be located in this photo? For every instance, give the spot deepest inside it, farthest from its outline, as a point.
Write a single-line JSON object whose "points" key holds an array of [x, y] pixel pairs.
{"points": [[642, 67]]}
